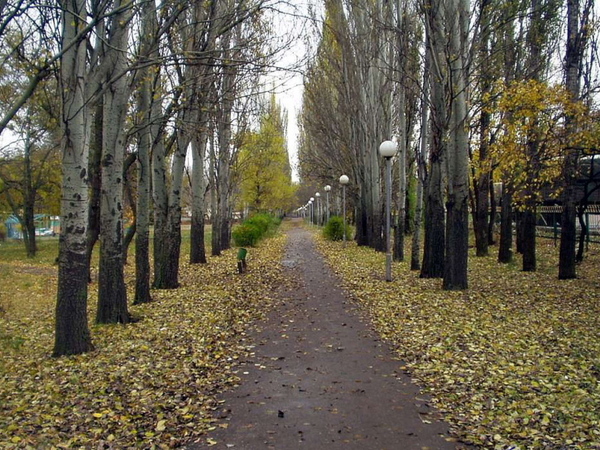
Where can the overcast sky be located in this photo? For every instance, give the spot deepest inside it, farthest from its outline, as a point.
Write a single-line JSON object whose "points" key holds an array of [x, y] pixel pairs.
{"points": [[289, 83]]}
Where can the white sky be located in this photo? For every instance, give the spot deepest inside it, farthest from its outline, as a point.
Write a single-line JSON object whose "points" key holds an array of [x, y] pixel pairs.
{"points": [[289, 81]]}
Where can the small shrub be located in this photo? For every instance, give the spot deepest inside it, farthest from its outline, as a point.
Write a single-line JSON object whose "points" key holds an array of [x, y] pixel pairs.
{"points": [[334, 229], [261, 221], [254, 229], [246, 235]]}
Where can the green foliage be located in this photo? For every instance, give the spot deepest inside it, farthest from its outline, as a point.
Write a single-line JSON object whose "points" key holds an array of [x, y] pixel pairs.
{"points": [[334, 229], [246, 235], [254, 229], [263, 166]]}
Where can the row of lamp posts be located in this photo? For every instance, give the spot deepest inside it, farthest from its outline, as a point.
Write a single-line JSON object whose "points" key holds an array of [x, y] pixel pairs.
{"points": [[387, 150], [316, 216]]}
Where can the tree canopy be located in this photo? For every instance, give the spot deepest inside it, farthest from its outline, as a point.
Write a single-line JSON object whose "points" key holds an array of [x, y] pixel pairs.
{"points": [[263, 166]]}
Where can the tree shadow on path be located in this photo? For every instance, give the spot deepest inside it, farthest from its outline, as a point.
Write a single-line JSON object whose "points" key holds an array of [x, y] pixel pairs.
{"points": [[319, 378]]}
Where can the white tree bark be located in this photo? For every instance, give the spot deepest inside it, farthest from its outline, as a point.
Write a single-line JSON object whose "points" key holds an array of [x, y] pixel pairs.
{"points": [[72, 332]]}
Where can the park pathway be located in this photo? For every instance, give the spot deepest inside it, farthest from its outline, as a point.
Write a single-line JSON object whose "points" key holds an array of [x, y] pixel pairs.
{"points": [[320, 378]]}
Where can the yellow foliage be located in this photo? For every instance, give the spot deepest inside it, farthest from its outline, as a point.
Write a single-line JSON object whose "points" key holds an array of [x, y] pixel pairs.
{"points": [[539, 123]]}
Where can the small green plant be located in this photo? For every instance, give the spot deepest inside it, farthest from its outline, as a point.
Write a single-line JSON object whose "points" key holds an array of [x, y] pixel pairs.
{"points": [[254, 229], [246, 235], [334, 229], [262, 222]]}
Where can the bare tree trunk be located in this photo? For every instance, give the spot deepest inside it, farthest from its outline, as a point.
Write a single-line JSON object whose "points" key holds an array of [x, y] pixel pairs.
{"points": [[506, 229], [95, 181], [130, 232], [29, 194], [172, 247], [159, 198], [197, 247], [481, 182], [421, 158], [529, 258], [493, 211], [112, 294], [457, 206], [214, 209], [434, 243], [142, 218], [72, 335], [577, 36], [435, 223], [400, 229], [225, 152]]}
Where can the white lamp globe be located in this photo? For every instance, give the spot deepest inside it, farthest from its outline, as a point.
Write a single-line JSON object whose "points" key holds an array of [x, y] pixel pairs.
{"points": [[387, 149], [344, 179], [327, 188]]}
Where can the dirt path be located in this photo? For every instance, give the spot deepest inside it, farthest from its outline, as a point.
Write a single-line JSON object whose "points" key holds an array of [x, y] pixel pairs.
{"points": [[320, 379]]}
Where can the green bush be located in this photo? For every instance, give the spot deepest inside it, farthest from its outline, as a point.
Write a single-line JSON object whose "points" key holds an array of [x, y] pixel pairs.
{"points": [[253, 230], [246, 235], [334, 229], [263, 222]]}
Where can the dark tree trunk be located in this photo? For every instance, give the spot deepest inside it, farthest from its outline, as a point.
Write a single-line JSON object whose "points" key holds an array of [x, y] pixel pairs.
{"points": [[72, 333], [142, 268], [399, 239], [506, 230], [362, 223], [482, 181], [493, 207], [455, 265], [95, 183], [528, 245], [110, 281], [415, 262], [225, 239], [577, 36], [568, 237], [131, 230], [112, 293], [29, 229], [161, 208], [435, 234], [197, 244], [481, 223], [198, 248], [173, 251], [582, 234]]}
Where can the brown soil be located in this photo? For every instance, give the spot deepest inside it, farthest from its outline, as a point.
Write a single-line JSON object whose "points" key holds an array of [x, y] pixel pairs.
{"points": [[320, 378]]}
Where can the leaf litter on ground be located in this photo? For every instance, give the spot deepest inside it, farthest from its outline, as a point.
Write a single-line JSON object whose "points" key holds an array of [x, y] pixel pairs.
{"points": [[149, 384], [512, 362]]}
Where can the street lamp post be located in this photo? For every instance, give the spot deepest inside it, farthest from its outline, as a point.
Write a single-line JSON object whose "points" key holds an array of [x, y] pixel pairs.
{"points": [[388, 149], [327, 189], [312, 210], [344, 181], [318, 208]]}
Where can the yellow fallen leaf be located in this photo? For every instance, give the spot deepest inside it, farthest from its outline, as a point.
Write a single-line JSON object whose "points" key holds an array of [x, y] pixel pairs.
{"points": [[161, 425]]}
